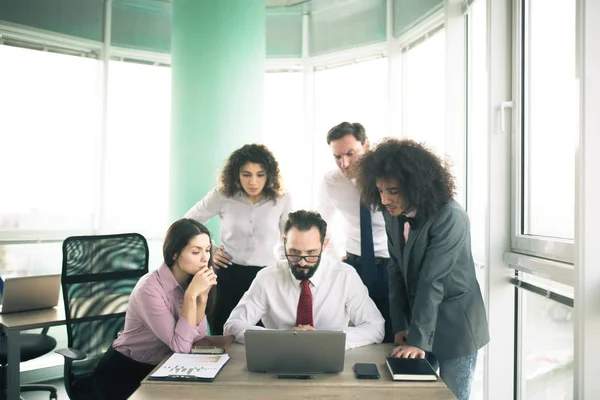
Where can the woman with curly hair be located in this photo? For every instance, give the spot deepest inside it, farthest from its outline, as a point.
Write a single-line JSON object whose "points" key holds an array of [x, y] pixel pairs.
{"points": [[436, 305], [253, 209]]}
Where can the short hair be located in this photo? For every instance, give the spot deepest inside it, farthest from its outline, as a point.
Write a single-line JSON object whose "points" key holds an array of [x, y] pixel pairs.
{"points": [[178, 236], [424, 180], [305, 220], [346, 128], [229, 179]]}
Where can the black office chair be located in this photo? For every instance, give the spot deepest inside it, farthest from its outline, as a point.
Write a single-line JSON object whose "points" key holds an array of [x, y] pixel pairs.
{"points": [[33, 345], [98, 275]]}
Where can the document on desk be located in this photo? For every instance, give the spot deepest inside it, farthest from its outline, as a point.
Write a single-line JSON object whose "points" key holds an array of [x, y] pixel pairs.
{"points": [[190, 367]]}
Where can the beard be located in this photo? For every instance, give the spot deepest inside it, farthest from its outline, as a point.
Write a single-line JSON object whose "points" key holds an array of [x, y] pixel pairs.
{"points": [[299, 271]]}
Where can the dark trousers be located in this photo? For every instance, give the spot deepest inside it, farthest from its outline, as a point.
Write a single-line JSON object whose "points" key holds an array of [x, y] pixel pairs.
{"points": [[378, 291], [117, 376], [232, 283]]}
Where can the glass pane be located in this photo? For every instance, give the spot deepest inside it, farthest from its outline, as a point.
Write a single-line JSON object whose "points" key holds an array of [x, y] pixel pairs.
{"points": [[155, 256], [30, 259], [144, 26], [410, 13], [49, 131], [342, 25], [353, 93], [547, 349], [424, 110], [284, 31], [81, 18], [137, 158], [283, 119], [551, 118]]}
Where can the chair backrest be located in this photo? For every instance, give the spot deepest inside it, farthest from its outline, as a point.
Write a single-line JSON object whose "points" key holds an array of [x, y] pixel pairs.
{"points": [[98, 275]]}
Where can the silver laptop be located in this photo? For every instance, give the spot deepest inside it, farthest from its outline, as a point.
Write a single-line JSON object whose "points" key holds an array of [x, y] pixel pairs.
{"points": [[30, 293], [295, 352]]}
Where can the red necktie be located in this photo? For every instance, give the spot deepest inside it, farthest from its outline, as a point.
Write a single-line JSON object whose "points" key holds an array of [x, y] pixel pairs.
{"points": [[305, 307]]}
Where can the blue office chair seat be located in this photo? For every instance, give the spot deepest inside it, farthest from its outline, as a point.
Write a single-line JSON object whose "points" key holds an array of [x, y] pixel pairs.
{"points": [[33, 345]]}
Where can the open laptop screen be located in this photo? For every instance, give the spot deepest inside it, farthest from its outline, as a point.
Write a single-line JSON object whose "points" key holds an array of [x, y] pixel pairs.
{"points": [[30, 293], [295, 352]]}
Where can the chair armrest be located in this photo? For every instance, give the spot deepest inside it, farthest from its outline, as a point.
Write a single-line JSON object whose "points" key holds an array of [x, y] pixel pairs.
{"points": [[72, 354]]}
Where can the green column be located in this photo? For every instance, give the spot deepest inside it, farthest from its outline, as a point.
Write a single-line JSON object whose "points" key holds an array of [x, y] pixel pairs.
{"points": [[218, 55]]}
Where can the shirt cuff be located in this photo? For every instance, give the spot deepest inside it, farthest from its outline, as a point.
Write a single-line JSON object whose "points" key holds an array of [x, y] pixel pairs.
{"points": [[202, 329], [185, 331]]}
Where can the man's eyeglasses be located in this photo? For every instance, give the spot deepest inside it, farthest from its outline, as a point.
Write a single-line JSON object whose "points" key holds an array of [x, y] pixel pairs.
{"points": [[296, 258]]}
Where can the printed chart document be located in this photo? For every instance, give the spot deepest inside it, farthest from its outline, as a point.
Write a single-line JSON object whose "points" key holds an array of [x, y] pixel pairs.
{"points": [[194, 367]]}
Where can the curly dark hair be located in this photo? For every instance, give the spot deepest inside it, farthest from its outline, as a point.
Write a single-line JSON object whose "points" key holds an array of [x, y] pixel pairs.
{"points": [[425, 181], [229, 180]]}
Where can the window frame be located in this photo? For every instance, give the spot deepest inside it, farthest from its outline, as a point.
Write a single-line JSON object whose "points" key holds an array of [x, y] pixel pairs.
{"points": [[555, 249], [36, 40]]}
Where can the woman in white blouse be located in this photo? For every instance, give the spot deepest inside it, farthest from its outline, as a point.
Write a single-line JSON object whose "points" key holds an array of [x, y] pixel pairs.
{"points": [[252, 207]]}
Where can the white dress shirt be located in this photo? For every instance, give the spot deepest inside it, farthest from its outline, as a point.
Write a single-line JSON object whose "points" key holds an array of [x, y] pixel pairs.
{"points": [[250, 233], [337, 193], [338, 297]]}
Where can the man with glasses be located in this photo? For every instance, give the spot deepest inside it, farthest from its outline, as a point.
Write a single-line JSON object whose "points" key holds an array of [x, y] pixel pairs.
{"points": [[308, 292]]}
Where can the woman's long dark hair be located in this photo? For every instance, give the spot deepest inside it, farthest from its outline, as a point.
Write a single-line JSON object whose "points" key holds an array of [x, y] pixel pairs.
{"points": [[178, 236]]}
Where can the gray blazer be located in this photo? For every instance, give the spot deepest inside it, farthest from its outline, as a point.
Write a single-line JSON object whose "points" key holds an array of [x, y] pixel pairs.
{"points": [[434, 292]]}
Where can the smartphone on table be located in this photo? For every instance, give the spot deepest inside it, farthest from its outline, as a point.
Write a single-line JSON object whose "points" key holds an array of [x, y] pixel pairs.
{"points": [[366, 371]]}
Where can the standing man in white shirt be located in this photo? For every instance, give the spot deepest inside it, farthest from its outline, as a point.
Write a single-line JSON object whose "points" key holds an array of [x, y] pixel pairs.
{"points": [[366, 239], [308, 292]]}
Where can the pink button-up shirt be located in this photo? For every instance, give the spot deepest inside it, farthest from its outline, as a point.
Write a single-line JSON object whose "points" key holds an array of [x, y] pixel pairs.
{"points": [[410, 214], [154, 327]]}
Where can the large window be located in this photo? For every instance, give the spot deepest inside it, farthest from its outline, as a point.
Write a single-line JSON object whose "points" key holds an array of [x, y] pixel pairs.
{"points": [[547, 115], [424, 109], [353, 93], [49, 130], [545, 179], [137, 154], [285, 133], [52, 158]]}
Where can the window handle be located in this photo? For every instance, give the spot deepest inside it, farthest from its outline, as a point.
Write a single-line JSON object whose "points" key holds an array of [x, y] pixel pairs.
{"points": [[503, 106]]}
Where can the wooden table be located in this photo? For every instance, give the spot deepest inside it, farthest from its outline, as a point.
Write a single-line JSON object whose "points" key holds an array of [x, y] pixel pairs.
{"points": [[235, 382], [11, 325]]}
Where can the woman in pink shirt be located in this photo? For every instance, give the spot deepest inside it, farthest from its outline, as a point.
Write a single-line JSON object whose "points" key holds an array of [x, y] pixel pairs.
{"points": [[166, 312]]}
